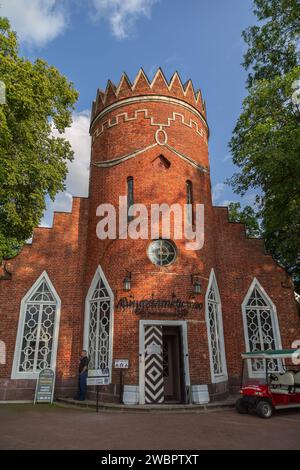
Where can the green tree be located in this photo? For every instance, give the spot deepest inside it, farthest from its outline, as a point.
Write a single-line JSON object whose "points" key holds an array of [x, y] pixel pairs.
{"points": [[245, 216], [273, 44], [266, 140], [33, 163]]}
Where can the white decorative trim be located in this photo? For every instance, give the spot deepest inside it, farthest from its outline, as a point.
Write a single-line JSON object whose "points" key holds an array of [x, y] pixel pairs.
{"points": [[145, 99], [277, 337], [165, 136], [186, 373], [188, 159], [19, 339], [117, 161], [137, 78], [224, 376], [124, 117], [99, 274], [124, 77]]}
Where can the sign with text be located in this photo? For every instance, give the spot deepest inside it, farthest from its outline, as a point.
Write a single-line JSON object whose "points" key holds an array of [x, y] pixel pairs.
{"points": [[97, 381], [45, 387], [153, 349], [98, 372], [161, 307], [121, 363]]}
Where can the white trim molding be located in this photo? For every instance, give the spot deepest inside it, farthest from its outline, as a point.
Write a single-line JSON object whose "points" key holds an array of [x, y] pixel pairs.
{"points": [[118, 160], [99, 275], [145, 99], [185, 351], [270, 306], [144, 112], [218, 331], [16, 374]]}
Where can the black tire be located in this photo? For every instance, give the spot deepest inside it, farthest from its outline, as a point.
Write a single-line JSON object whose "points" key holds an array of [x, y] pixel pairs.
{"points": [[264, 409], [241, 406]]}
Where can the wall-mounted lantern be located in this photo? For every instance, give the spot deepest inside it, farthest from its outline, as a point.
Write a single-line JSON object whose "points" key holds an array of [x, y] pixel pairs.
{"points": [[196, 284], [127, 282]]}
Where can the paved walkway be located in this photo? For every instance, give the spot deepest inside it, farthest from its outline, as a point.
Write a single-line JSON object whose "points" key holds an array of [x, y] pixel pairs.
{"points": [[64, 427]]}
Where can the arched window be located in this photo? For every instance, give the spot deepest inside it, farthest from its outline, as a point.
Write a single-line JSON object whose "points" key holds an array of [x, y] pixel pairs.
{"points": [[130, 197], [36, 343], [215, 331], [260, 325], [99, 322], [189, 201]]}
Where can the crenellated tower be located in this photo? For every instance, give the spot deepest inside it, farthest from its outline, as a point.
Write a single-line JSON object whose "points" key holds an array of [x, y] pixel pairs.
{"points": [[150, 139]]}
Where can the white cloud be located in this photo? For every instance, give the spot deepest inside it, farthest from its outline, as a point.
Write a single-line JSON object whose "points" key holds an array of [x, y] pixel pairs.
{"points": [[122, 14], [78, 177], [36, 21], [78, 135], [217, 191]]}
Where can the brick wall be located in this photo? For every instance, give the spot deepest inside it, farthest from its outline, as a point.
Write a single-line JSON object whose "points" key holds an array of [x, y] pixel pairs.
{"points": [[70, 251]]}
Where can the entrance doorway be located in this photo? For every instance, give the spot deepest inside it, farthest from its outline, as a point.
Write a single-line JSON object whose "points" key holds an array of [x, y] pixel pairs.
{"points": [[172, 364], [164, 362]]}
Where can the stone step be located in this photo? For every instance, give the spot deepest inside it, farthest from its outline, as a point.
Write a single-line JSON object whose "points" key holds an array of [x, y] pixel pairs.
{"points": [[215, 405]]}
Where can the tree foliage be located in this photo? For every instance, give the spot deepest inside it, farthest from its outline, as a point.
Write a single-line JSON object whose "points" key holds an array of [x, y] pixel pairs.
{"points": [[245, 216], [266, 140], [33, 163], [273, 44]]}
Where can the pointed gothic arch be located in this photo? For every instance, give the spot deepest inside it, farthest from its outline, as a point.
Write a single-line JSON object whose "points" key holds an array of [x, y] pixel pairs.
{"points": [[215, 335], [37, 336], [261, 327], [98, 322]]}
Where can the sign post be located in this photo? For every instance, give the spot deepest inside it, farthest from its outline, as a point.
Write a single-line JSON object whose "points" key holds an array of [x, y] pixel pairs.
{"points": [[98, 377], [121, 364], [45, 387]]}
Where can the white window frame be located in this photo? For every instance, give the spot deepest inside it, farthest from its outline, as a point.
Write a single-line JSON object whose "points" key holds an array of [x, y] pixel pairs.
{"points": [[274, 318], [216, 378], [99, 273], [16, 374]]}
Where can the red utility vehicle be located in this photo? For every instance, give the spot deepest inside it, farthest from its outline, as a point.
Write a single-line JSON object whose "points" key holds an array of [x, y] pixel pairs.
{"points": [[270, 381]]}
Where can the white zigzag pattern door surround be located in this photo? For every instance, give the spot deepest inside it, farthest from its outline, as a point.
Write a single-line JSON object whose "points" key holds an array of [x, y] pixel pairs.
{"points": [[154, 381]]}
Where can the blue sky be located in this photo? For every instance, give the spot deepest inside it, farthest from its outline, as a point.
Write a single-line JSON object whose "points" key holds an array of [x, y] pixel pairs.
{"points": [[91, 41]]}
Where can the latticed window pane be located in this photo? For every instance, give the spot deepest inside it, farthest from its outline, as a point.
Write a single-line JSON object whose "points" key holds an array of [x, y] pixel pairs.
{"points": [[130, 199], [260, 328], [100, 291], [214, 332], [189, 201], [46, 336], [99, 327], [42, 294], [162, 252], [37, 339]]}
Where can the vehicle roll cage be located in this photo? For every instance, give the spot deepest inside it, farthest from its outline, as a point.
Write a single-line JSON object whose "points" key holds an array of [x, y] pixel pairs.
{"points": [[268, 356]]}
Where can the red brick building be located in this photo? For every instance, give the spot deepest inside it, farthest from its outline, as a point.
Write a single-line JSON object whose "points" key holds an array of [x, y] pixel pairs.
{"points": [[181, 317]]}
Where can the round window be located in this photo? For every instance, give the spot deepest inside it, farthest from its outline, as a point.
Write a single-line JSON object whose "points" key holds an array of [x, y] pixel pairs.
{"points": [[162, 252]]}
